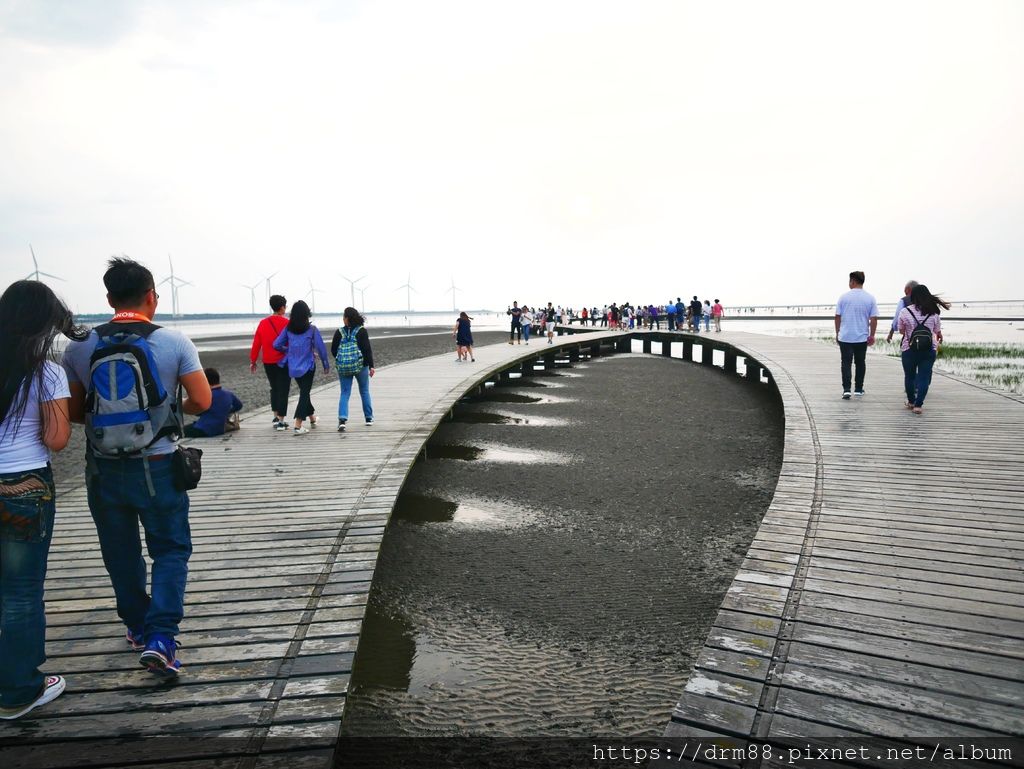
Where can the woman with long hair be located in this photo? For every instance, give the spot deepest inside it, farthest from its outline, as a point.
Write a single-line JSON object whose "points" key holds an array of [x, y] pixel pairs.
{"points": [[464, 335], [34, 421], [353, 358], [922, 332], [301, 342]]}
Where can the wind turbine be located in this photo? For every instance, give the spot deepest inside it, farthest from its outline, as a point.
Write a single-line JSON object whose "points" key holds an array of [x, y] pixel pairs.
{"points": [[267, 279], [252, 293], [362, 299], [352, 288], [34, 275], [408, 292], [453, 289], [311, 295], [176, 283]]}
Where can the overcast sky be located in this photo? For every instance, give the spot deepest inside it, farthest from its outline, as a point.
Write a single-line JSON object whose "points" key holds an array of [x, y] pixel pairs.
{"points": [[578, 152]]}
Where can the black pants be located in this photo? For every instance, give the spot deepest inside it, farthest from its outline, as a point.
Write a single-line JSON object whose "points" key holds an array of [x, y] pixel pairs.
{"points": [[853, 352], [280, 384], [305, 409], [517, 330], [191, 431]]}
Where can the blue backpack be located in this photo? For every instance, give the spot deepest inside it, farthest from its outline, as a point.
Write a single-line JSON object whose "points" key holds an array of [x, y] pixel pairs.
{"points": [[126, 406], [349, 360]]}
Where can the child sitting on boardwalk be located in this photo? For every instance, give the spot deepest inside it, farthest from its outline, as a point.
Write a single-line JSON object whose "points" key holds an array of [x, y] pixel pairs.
{"points": [[221, 416]]}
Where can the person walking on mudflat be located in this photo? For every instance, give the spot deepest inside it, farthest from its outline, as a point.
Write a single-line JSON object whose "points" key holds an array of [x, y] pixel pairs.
{"points": [[922, 332], [34, 421], [301, 342], [132, 455], [353, 358], [856, 321], [268, 330]]}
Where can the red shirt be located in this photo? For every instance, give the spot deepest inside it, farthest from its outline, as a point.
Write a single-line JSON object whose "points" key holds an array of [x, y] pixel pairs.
{"points": [[263, 340]]}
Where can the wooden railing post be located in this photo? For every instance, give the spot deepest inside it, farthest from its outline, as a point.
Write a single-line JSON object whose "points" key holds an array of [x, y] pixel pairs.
{"points": [[707, 354], [753, 370]]}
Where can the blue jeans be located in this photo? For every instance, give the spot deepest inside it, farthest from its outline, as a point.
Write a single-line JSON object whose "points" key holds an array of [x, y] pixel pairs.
{"points": [[118, 499], [526, 332], [363, 378], [707, 322], [26, 525], [917, 374]]}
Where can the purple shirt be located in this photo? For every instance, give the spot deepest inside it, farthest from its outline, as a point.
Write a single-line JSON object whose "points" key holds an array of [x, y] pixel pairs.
{"points": [[299, 349], [907, 324]]}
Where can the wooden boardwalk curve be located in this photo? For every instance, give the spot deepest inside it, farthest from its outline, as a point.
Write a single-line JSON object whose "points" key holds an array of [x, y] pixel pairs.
{"points": [[876, 599], [286, 531], [883, 595]]}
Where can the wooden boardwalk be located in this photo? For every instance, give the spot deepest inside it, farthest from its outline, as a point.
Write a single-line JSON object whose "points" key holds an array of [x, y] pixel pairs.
{"points": [[876, 599], [883, 595], [286, 531]]}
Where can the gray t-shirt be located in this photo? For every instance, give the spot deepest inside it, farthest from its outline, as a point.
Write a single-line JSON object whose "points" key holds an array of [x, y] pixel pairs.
{"points": [[856, 308], [175, 356]]}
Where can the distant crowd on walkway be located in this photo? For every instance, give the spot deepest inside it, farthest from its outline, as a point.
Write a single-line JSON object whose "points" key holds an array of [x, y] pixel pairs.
{"points": [[677, 316]]}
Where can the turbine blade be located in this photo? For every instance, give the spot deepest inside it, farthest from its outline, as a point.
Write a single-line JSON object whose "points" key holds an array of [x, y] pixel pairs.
{"points": [[55, 277]]}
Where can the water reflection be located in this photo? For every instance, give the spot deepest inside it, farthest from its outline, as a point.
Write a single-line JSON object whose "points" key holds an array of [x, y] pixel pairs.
{"points": [[493, 453], [419, 508]]}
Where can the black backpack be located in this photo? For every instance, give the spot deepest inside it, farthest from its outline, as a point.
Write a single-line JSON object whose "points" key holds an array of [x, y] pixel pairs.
{"points": [[921, 339]]}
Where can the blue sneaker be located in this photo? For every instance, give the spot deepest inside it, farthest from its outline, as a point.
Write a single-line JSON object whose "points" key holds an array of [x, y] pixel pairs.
{"points": [[136, 639], [160, 657]]}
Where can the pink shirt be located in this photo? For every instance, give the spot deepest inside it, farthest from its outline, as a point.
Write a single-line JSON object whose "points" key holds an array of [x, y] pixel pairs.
{"points": [[716, 310], [906, 325]]}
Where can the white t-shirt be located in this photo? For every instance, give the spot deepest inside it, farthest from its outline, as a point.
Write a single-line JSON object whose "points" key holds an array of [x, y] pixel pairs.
{"points": [[22, 449], [856, 308], [175, 356]]}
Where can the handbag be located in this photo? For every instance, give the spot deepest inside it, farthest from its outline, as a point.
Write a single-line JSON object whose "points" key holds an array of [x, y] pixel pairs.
{"points": [[187, 467]]}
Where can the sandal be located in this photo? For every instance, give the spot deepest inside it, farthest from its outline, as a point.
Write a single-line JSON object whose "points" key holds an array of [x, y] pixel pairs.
{"points": [[918, 410]]}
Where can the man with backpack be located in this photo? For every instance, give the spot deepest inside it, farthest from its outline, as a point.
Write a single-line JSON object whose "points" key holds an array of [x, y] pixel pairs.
{"points": [[124, 381]]}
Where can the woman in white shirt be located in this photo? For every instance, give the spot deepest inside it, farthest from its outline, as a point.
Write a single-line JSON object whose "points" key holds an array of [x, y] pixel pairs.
{"points": [[33, 421]]}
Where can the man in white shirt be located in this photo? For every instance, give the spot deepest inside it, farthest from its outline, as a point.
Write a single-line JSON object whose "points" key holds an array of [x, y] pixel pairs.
{"points": [[856, 320]]}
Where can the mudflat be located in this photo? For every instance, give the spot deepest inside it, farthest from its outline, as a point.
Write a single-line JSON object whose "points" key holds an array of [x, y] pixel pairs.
{"points": [[554, 565]]}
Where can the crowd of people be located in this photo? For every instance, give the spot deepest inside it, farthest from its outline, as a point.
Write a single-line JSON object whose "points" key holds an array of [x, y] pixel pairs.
{"points": [[677, 316], [123, 380]]}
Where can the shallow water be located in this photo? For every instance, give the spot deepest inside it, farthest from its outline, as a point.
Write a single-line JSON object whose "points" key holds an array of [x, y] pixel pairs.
{"points": [[558, 596]]}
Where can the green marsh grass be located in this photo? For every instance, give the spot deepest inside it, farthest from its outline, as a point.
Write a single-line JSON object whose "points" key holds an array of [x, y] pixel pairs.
{"points": [[991, 364]]}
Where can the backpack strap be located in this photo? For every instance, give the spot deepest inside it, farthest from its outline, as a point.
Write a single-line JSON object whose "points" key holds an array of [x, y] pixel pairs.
{"points": [[135, 327]]}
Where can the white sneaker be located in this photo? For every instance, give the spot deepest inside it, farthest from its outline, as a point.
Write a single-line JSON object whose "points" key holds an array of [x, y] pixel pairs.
{"points": [[846, 395], [54, 686], [300, 430]]}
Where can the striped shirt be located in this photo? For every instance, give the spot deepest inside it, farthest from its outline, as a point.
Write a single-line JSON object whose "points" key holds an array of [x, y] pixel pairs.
{"points": [[906, 325]]}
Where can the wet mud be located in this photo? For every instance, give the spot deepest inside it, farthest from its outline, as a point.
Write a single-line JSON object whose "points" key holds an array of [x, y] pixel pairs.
{"points": [[567, 593]]}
